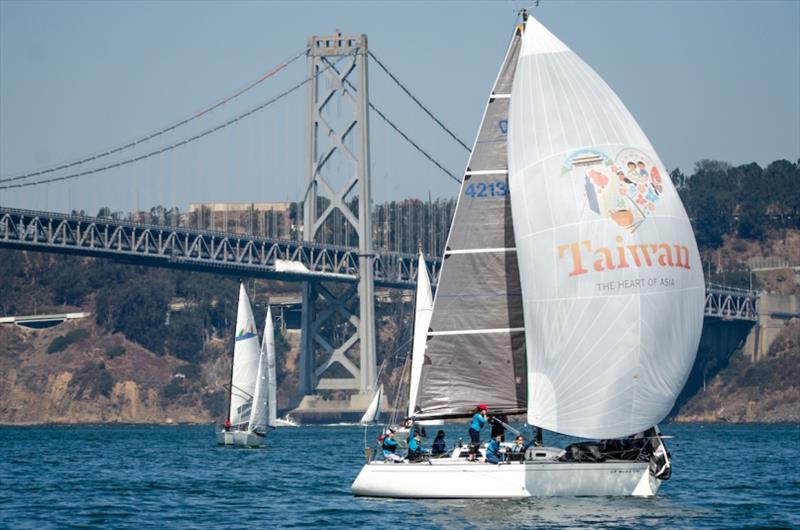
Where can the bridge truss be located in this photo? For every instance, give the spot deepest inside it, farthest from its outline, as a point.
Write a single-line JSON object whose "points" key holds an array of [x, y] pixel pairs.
{"points": [[218, 252], [730, 303]]}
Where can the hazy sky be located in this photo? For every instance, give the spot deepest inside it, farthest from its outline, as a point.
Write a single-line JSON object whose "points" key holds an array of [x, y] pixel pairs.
{"points": [[706, 79]]}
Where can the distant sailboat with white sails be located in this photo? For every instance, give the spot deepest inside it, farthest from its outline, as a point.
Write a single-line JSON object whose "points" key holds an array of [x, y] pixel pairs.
{"points": [[252, 384], [570, 291]]}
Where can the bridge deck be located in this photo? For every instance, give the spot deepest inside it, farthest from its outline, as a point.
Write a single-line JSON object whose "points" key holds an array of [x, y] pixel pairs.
{"points": [[238, 254]]}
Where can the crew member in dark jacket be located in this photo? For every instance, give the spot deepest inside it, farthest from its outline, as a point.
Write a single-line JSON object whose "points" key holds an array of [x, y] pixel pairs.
{"points": [[439, 446]]}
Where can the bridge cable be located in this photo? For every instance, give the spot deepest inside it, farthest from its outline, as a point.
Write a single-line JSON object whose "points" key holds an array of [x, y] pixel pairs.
{"points": [[160, 132], [409, 140], [400, 132], [418, 102], [175, 145]]}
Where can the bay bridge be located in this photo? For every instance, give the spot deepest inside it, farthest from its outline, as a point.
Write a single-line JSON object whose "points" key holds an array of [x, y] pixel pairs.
{"points": [[334, 242]]}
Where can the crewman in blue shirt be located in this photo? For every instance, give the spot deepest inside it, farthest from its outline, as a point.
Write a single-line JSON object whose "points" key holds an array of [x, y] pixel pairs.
{"points": [[415, 450], [389, 447], [478, 421], [493, 455]]}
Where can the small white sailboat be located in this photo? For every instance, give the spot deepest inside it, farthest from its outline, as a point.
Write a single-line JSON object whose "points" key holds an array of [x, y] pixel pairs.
{"points": [[570, 291], [252, 390], [373, 411]]}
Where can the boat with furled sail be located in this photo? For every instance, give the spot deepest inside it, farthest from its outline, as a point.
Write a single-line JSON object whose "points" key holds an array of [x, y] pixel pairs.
{"points": [[570, 291]]}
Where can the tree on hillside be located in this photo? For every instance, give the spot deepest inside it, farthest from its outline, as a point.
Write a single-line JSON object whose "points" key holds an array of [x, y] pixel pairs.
{"points": [[138, 309]]}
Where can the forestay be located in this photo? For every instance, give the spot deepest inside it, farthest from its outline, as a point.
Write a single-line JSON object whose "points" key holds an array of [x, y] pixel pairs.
{"points": [[475, 351], [611, 277], [245, 363]]}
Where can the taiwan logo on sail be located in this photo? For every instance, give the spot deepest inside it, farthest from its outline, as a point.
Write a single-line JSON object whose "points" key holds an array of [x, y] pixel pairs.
{"points": [[625, 189]]}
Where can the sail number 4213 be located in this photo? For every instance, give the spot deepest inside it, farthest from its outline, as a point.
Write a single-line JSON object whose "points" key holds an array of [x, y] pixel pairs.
{"points": [[481, 190]]}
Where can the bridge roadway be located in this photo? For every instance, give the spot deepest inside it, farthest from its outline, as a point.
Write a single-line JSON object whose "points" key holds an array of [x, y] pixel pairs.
{"points": [[236, 254], [201, 250]]}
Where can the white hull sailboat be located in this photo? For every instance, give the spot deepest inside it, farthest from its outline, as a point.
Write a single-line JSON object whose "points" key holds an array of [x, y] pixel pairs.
{"points": [[571, 291], [454, 478], [252, 385]]}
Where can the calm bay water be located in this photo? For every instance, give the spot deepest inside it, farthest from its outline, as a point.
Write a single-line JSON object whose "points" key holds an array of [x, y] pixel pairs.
{"points": [[176, 477]]}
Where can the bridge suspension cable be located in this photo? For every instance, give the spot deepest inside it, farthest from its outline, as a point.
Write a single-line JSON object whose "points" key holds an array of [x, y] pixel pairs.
{"points": [[419, 103], [402, 134], [177, 144], [153, 135], [409, 140]]}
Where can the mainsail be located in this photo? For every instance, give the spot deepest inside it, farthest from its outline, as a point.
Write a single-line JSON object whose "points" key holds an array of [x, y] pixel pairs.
{"points": [[245, 363], [476, 342], [611, 278], [423, 306]]}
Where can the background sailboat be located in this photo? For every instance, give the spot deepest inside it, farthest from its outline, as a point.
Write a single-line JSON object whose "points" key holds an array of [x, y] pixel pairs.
{"points": [[373, 411], [249, 388]]}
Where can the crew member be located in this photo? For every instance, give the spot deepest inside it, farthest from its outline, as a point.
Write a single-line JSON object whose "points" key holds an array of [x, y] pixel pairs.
{"points": [[478, 421], [493, 455], [389, 447], [439, 446]]}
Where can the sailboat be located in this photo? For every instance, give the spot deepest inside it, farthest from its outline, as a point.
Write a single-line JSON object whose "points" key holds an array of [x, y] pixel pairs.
{"points": [[252, 384], [371, 414], [570, 291]]}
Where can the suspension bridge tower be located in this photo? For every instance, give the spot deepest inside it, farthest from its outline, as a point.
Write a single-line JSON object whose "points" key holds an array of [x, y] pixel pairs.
{"points": [[338, 326]]}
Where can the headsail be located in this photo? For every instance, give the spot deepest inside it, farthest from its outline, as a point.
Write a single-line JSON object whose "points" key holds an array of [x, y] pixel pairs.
{"points": [[475, 351], [371, 414], [423, 306], [245, 363], [611, 278], [259, 415], [272, 382]]}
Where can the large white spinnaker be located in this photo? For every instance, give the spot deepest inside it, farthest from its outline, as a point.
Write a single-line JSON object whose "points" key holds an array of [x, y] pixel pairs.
{"points": [[422, 319], [611, 277], [371, 414], [245, 363]]}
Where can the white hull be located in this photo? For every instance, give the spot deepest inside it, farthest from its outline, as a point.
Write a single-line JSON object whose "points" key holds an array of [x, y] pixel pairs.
{"points": [[240, 438], [455, 478]]}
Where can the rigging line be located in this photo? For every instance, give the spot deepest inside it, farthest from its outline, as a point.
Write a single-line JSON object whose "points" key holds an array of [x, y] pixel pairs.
{"points": [[418, 102], [172, 127], [173, 146], [409, 140]]}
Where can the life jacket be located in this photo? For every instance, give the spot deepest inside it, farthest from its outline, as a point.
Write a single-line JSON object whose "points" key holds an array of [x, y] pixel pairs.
{"points": [[414, 450], [389, 445], [478, 421]]}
